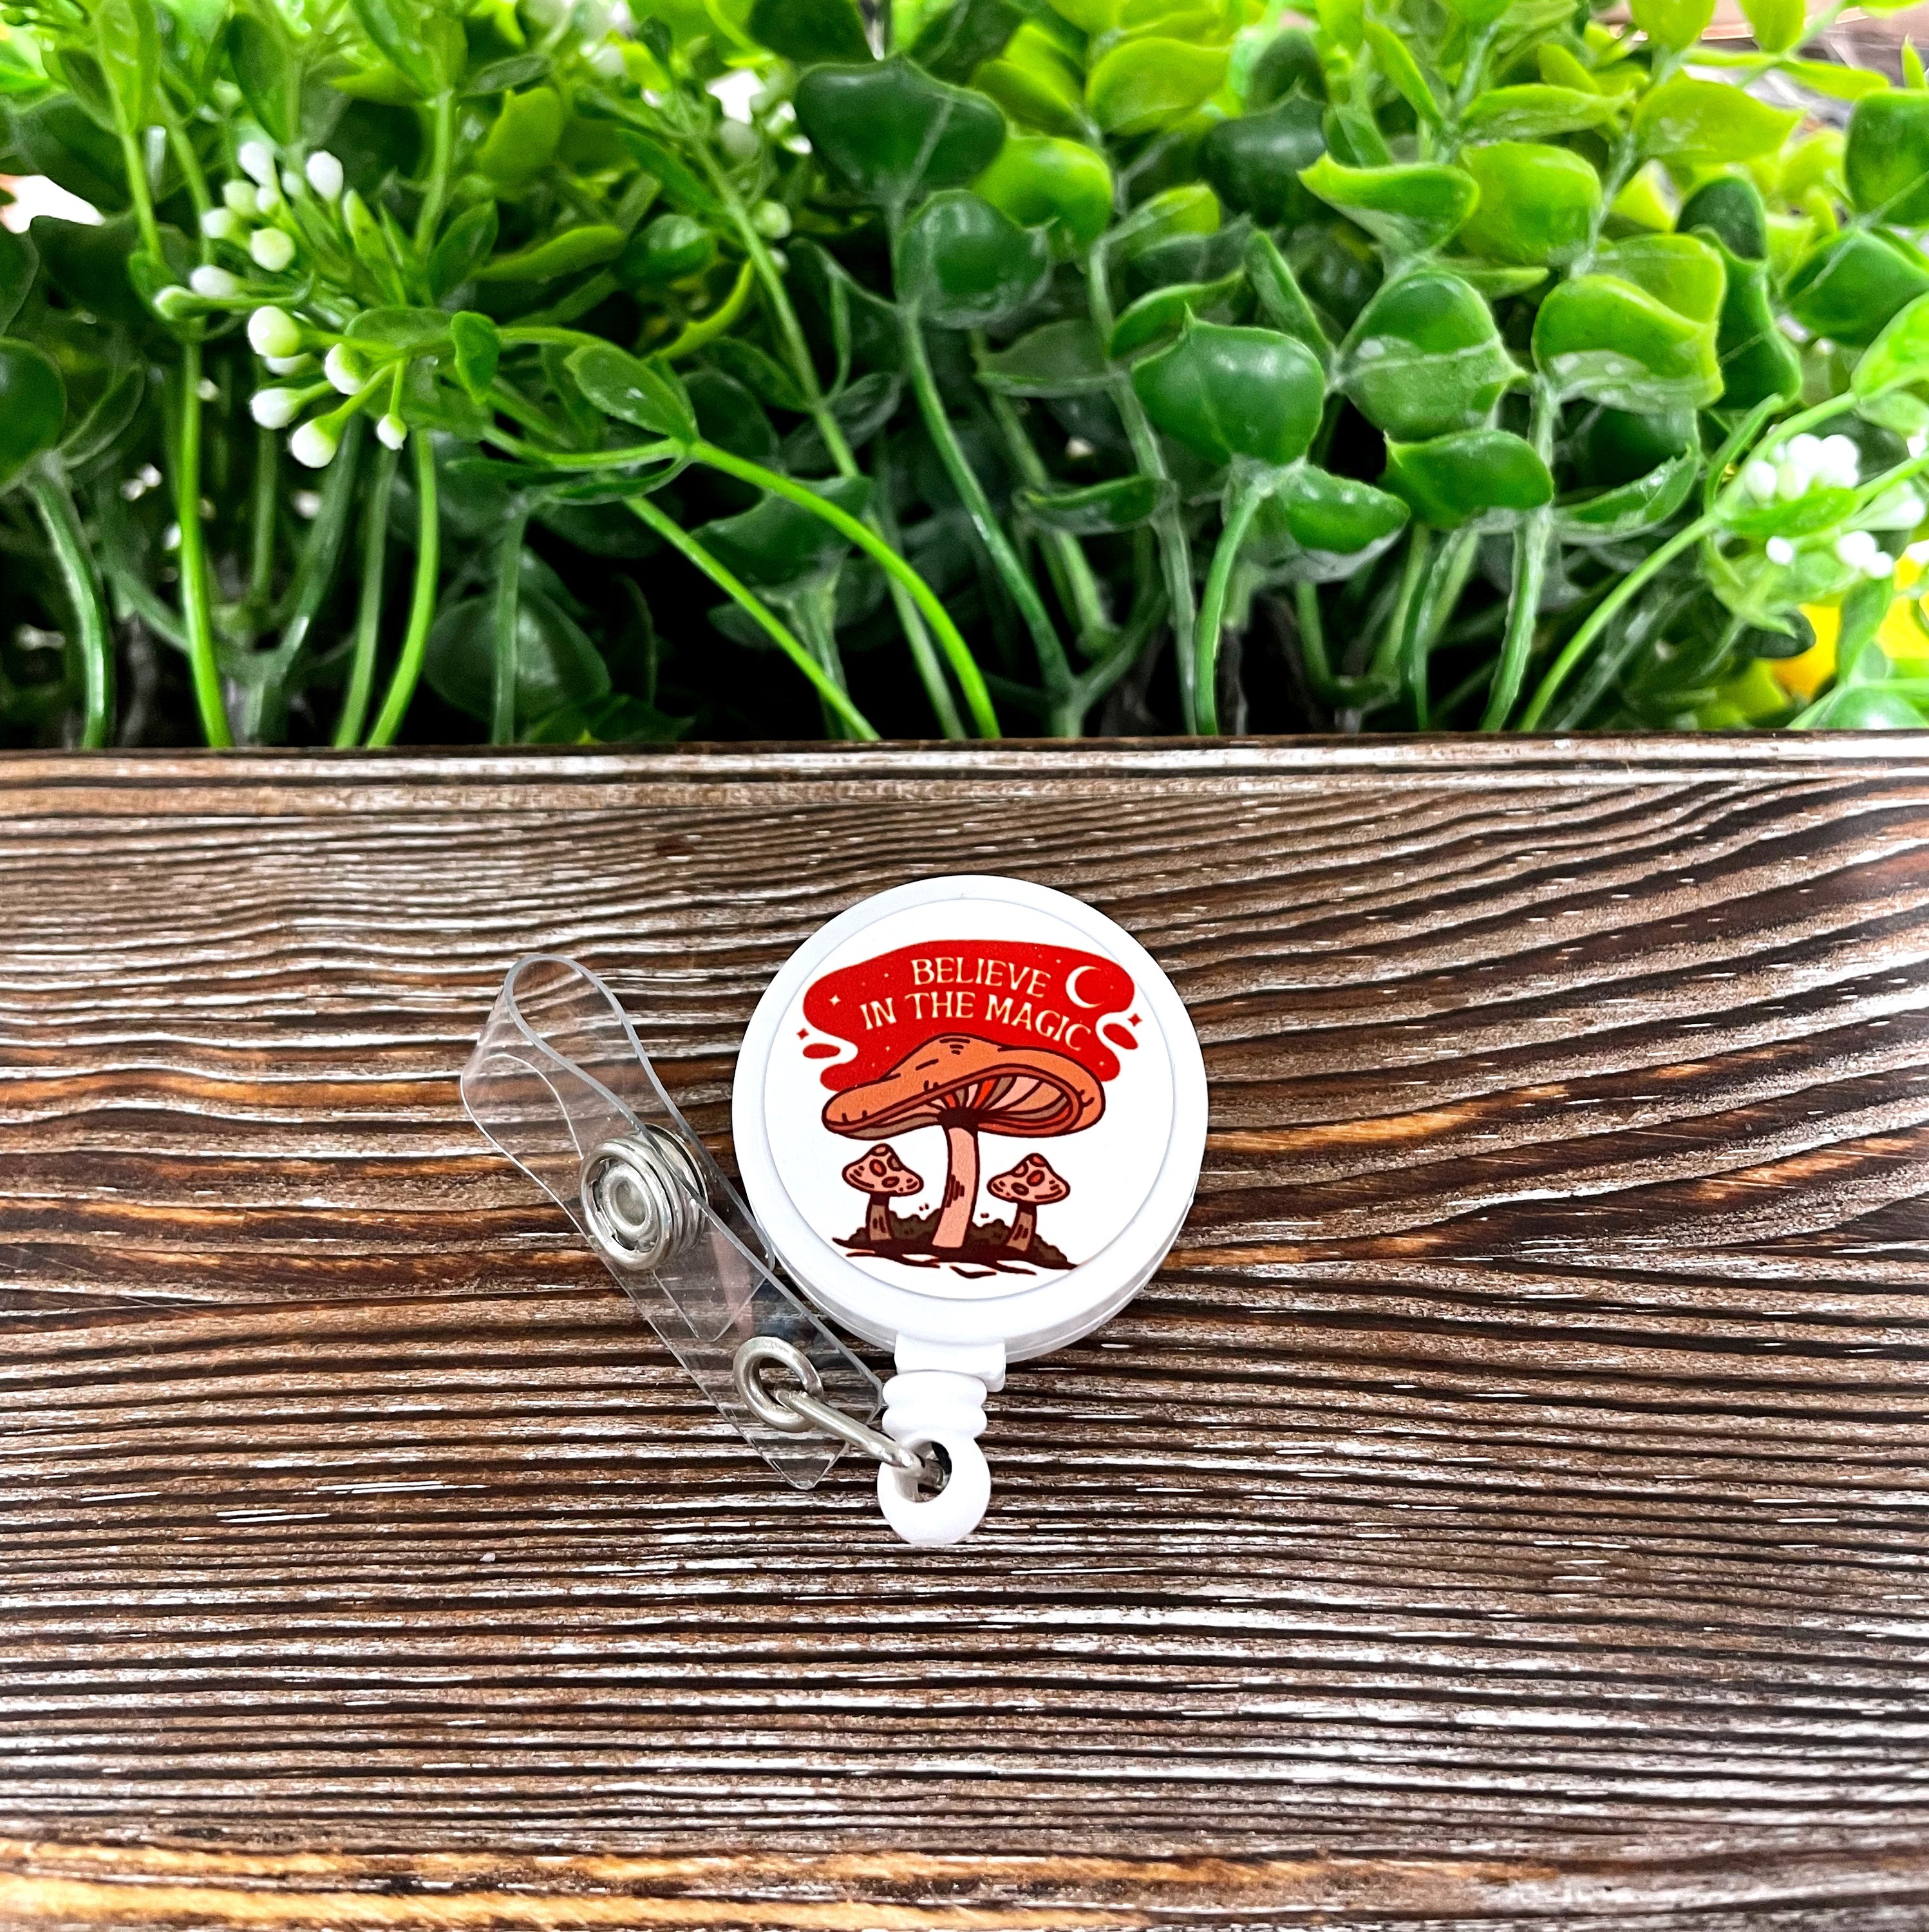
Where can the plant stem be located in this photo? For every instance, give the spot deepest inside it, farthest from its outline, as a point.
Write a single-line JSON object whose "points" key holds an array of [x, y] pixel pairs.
{"points": [[930, 672], [1056, 673], [694, 334], [421, 598], [1576, 647], [686, 546], [963, 664], [1354, 692], [437, 192], [196, 608], [505, 619], [1532, 535], [54, 502], [1245, 499], [368, 607], [261, 517]]}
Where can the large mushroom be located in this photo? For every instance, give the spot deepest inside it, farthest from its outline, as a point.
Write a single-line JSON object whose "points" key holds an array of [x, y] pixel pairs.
{"points": [[880, 1174], [1031, 1185], [968, 1087]]}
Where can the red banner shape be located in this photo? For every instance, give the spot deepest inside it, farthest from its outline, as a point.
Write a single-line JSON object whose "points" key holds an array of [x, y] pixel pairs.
{"points": [[1008, 991]]}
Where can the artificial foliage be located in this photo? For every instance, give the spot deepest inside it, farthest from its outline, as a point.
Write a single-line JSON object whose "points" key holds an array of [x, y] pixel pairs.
{"points": [[523, 370]]}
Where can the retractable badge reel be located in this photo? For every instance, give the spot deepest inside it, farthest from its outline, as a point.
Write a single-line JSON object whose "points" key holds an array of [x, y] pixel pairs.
{"points": [[969, 1115]]}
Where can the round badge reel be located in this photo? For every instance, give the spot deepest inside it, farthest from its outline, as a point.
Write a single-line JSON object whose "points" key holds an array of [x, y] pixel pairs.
{"points": [[969, 1114]]}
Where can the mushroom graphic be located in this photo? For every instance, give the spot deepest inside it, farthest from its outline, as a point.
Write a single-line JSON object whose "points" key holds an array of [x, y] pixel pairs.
{"points": [[880, 1174], [1031, 1185], [968, 1086]]}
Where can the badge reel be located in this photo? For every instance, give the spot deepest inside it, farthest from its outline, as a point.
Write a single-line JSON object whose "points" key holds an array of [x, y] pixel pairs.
{"points": [[969, 1115]]}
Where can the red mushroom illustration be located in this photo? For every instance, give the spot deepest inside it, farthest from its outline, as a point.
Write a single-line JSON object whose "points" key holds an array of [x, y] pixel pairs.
{"points": [[880, 1174], [1033, 1184], [969, 1086]]}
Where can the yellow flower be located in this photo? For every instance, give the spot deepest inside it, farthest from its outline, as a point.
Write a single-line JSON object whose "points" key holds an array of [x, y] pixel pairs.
{"points": [[1902, 634]]}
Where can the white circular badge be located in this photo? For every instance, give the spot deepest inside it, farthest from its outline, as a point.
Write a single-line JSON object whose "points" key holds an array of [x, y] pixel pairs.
{"points": [[971, 1112]]}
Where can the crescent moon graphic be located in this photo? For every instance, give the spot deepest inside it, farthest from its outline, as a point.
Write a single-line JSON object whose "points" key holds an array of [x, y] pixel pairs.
{"points": [[1071, 989]]}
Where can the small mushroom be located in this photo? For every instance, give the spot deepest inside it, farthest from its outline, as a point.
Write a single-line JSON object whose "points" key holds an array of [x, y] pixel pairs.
{"points": [[1029, 1185], [880, 1174]]}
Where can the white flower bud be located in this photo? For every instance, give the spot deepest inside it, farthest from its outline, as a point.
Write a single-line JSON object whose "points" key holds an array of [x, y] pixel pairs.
{"points": [[1792, 478], [216, 284], [271, 249], [219, 224], [1780, 551], [1855, 548], [608, 62], [1804, 449], [240, 196], [1878, 566], [1840, 462], [273, 331], [1918, 444], [1758, 480], [257, 161], [275, 408], [772, 220], [343, 372], [172, 302], [393, 430], [325, 175], [313, 444], [291, 182], [738, 142], [289, 365]]}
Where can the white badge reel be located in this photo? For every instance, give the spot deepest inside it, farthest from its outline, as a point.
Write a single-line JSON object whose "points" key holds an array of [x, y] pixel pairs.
{"points": [[969, 1115]]}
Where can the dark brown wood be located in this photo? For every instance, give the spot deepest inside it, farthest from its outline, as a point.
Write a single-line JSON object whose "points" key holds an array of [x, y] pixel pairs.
{"points": [[1508, 1506]]}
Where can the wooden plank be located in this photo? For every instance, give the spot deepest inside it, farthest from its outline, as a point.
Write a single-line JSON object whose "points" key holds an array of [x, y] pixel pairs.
{"points": [[1508, 1504]]}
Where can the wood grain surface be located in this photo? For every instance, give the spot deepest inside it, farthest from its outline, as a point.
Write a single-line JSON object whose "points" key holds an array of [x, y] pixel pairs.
{"points": [[1508, 1506]]}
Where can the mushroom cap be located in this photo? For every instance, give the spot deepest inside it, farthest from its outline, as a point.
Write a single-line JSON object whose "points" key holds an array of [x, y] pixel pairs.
{"points": [[880, 1172], [1032, 1181], [957, 1078]]}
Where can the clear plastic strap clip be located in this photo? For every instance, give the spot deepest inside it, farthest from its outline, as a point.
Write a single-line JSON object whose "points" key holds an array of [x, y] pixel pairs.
{"points": [[558, 1082]]}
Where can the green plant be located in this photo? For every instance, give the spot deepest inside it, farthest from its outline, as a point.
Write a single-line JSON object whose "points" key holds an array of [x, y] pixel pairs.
{"points": [[463, 366]]}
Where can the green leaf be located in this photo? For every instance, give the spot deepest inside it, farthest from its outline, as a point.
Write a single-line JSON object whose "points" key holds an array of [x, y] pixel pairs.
{"points": [[466, 244], [1675, 24], [1454, 479], [398, 331], [60, 140], [478, 348], [1254, 162], [1101, 509], [1227, 393], [1338, 516], [396, 26], [19, 261], [88, 263], [504, 76], [1037, 88], [102, 428], [1685, 273], [1777, 24], [1886, 163], [1838, 82], [1425, 359], [645, 393], [1479, 13], [262, 58], [1496, 281], [568, 253], [523, 141], [964, 264], [1409, 209], [760, 372], [1899, 355], [1610, 516], [671, 248], [1157, 317], [128, 44], [1732, 206], [1146, 85], [1848, 289], [952, 41], [1601, 336], [806, 31], [33, 407], [780, 548], [1400, 67], [1708, 121], [893, 132], [556, 664], [1822, 508], [1039, 180], [1536, 204], [1531, 112], [1757, 360], [1062, 358], [1288, 63], [681, 188], [1282, 301]]}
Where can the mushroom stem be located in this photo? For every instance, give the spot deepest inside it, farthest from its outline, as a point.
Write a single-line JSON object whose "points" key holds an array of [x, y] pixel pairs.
{"points": [[960, 1186], [877, 1222], [1024, 1225]]}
